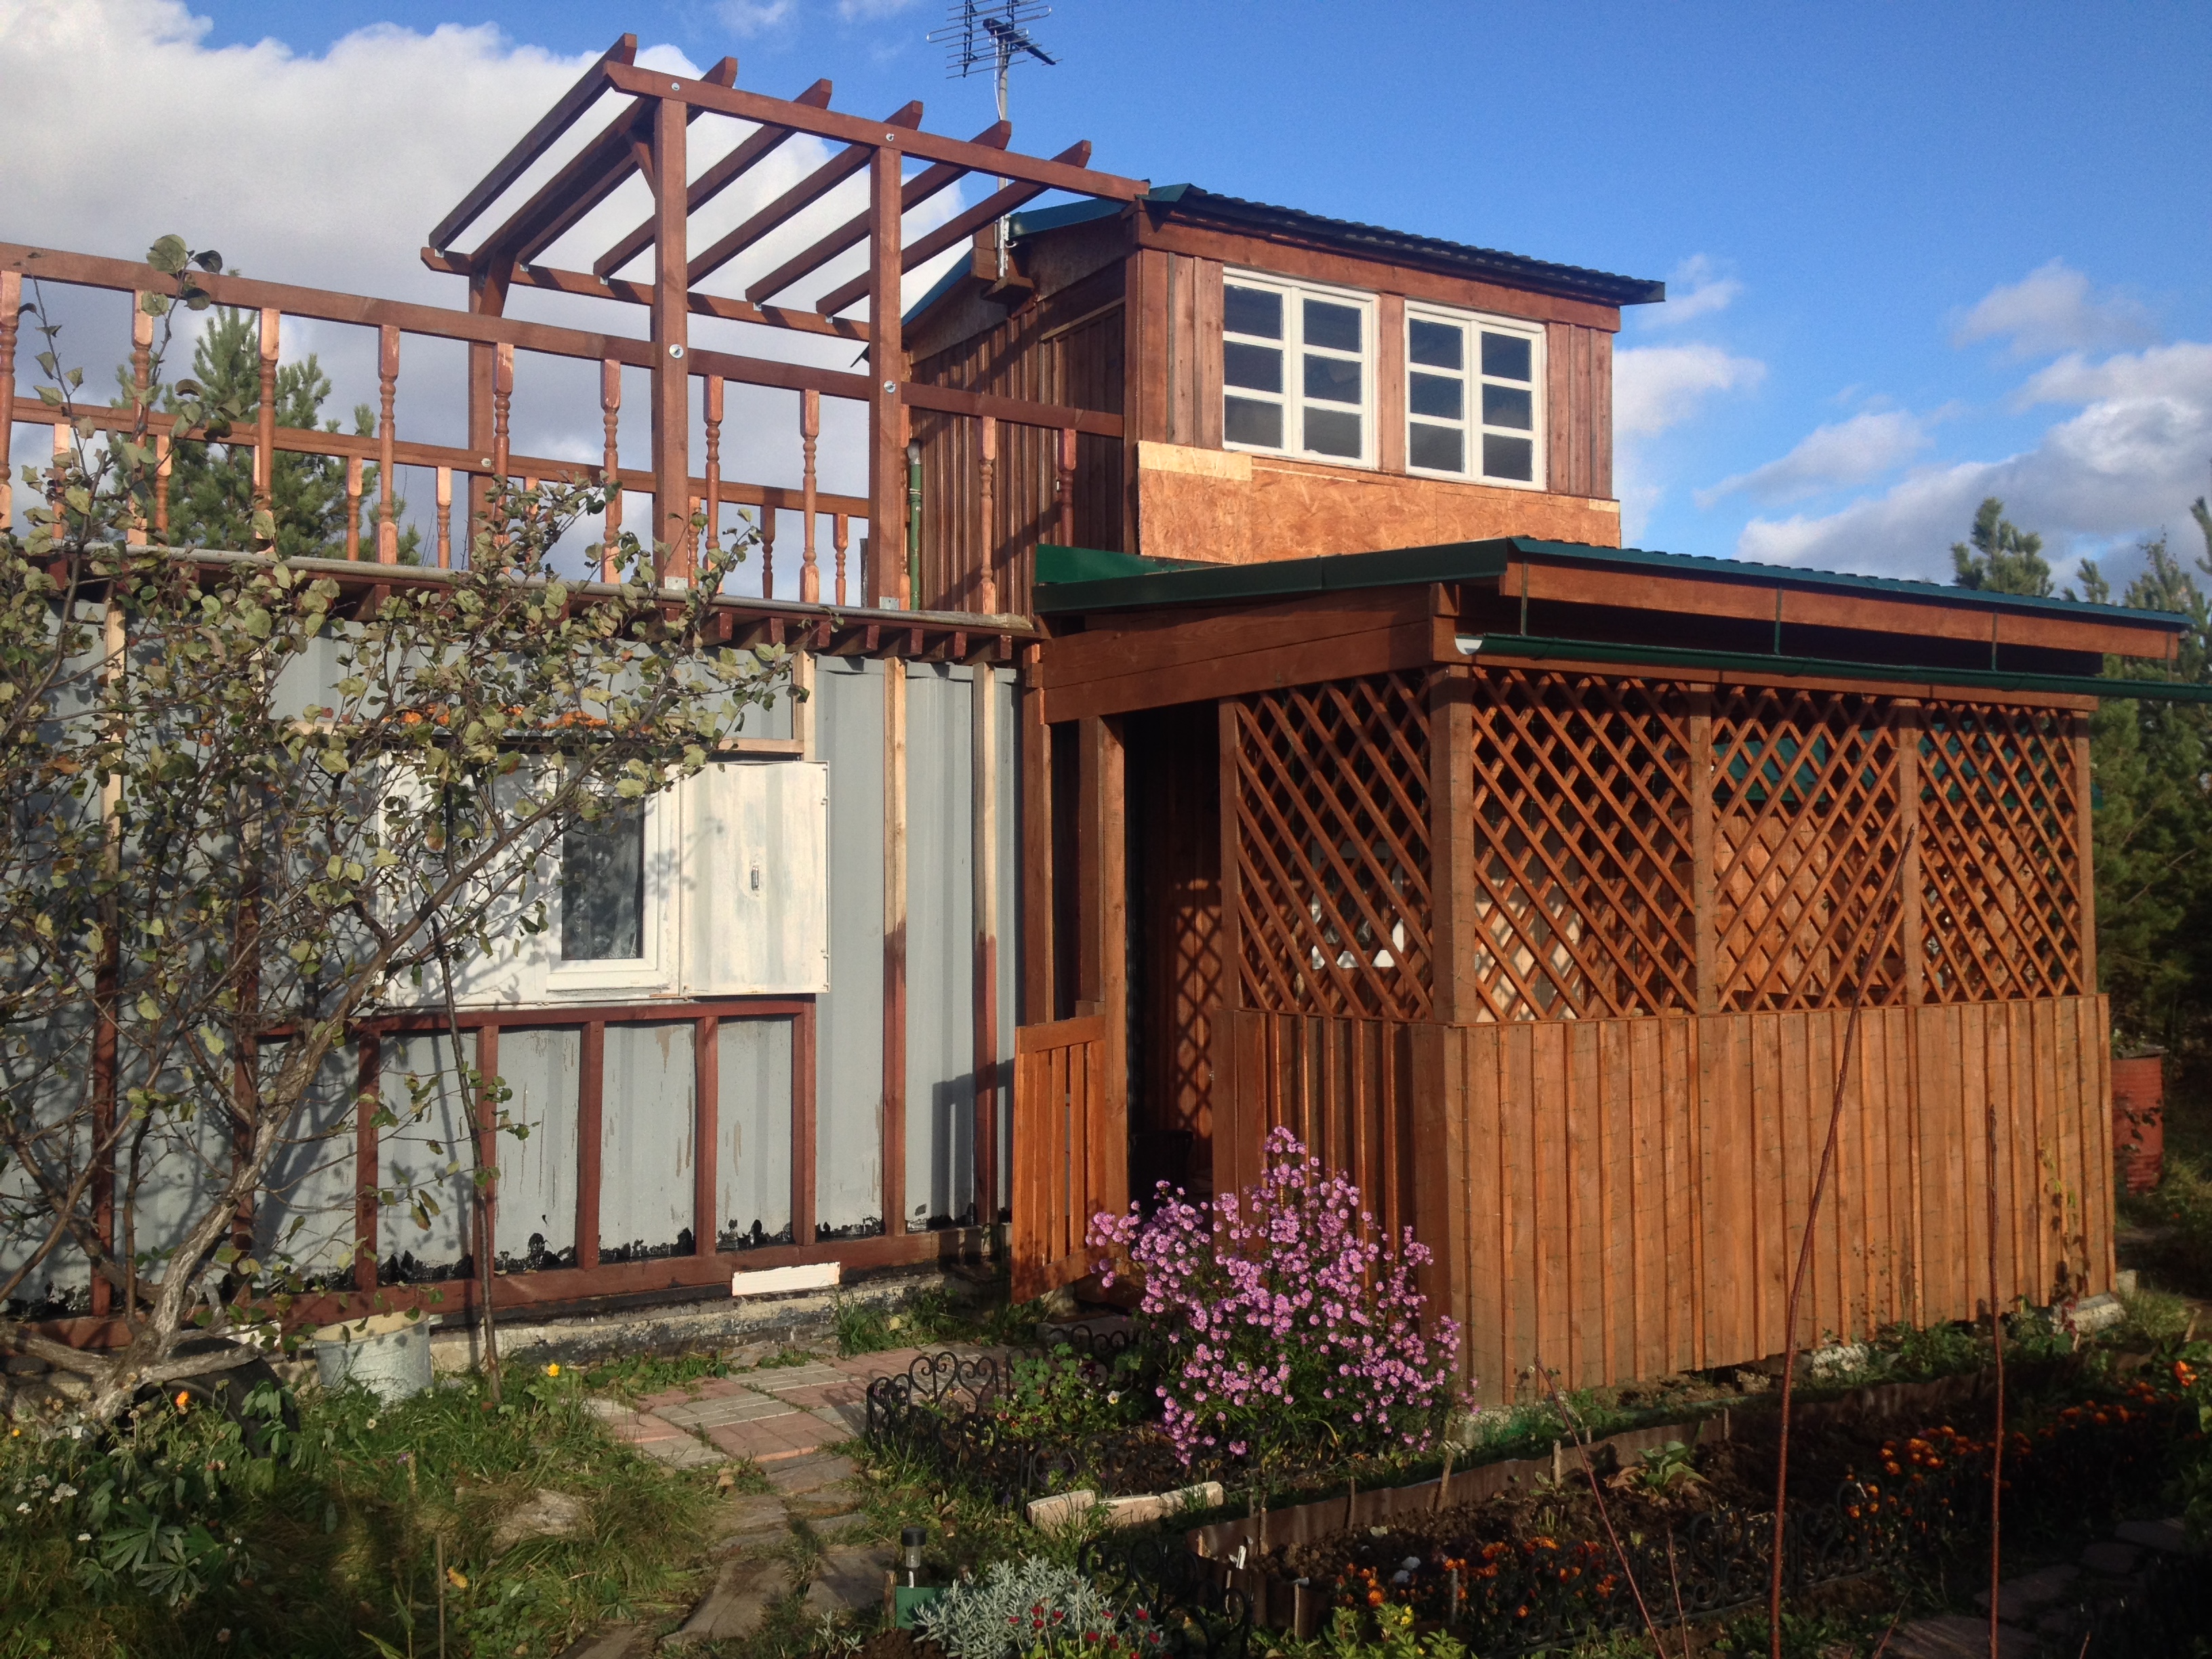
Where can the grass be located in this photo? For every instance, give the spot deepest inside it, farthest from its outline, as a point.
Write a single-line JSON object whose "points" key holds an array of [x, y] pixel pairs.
{"points": [[346, 1541], [2178, 1210]]}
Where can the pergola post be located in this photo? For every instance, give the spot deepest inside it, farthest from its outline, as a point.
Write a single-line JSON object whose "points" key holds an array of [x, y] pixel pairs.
{"points": [[887, 361], [671, 312]]}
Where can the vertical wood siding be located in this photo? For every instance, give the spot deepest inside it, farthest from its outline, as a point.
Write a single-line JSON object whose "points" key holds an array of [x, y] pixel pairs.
{"points": [[1578, 409]]}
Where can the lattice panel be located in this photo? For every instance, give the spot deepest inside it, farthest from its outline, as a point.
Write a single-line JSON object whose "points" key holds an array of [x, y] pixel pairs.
{"points": [[2001, 910], [1333, 837], [1582, 847], [1806, 842]]}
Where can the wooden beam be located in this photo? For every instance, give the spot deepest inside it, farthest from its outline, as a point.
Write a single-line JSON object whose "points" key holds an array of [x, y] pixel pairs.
{"points": [[917, 190], [887, 361], [895, 873], [591, 1096], [564, 114], [1910, 897], [801, 197], [591, 175], [1703, 944], [559, 280], [706, 1134], [672, 318], [724, 173], [1453, 884], [955, 230], [1016, 411], [1103, 860], [2085, 850], [924, 146]]}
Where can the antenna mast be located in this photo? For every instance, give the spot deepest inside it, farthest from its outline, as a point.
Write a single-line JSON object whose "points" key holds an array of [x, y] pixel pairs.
{"points": [[991, 34]]}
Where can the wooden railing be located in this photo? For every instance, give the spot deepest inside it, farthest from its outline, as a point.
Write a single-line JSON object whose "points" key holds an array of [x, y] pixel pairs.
{"points": [[1070, 1152], [505, 348]]}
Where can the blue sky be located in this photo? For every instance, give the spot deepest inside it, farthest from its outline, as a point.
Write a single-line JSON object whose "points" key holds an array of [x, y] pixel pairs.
{"points": [[1919, 253]]}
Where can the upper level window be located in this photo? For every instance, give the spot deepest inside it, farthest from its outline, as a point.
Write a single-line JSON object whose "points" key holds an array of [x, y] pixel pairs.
{"points": [[1296, 370], [1471, 405], [603, 888]]}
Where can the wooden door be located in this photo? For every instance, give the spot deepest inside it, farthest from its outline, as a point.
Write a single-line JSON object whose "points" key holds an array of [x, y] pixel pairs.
{"points": [[1071, 1150]]}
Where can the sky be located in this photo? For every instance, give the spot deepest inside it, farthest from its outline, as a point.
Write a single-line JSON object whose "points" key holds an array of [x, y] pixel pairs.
{"points": [[1916, 255]]}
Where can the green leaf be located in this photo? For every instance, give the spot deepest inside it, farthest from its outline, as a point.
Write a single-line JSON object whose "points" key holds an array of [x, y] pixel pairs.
{"points": [[169, 255]]}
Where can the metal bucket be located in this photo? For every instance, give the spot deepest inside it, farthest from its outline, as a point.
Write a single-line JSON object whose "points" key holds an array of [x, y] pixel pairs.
{"points": [[389, 1354]]}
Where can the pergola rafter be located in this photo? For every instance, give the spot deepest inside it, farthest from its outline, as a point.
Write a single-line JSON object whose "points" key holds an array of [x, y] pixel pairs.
{"points": [[648, 137]]}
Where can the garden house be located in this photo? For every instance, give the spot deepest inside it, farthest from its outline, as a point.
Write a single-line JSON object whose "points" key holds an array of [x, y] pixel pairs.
{"points": [[1227, 703]]}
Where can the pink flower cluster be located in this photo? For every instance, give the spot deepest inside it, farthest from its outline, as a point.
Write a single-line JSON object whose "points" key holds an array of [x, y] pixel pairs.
{"points": [[1287, 1321]]}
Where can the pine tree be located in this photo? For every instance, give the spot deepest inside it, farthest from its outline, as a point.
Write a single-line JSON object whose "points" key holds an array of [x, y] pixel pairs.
{"points": [[1998, 556], [212, 484]]}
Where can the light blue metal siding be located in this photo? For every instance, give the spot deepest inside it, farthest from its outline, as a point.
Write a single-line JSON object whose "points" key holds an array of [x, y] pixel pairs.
{"points": [[426, 1155], [646, 1129], [537, 1212], [940, 952], [752, 1171], [848, 699]]}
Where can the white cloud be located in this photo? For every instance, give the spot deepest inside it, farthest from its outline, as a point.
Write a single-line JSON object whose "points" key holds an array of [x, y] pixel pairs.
{"points": [[751, 17], [2051, 309], [1658, 386], [1850, 452], [2128, 460], [1695, 289]]}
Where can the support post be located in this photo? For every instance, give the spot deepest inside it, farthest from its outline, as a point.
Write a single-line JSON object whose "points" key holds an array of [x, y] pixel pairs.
{"points": [[805, 1027], [894, 1128], [484, 1119], [984, 901], [671, 312], [1702, 909], [488, 290], [610, 462], [1103, 858], [264, 448], [713, 425], [591, 1092], [986, 585], [1235, 1137], [2085, 850], [1451, 846], [809, 430], [1910, 942], [11, 303], [887, 364], [706, 1133]]}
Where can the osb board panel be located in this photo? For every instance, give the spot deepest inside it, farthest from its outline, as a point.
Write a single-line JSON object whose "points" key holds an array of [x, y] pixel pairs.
{"points": [[1290, 511], [1639, 1188]]}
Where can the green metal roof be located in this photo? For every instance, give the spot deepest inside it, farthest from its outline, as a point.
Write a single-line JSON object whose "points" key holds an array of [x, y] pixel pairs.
{"points": [[1068, 587]]}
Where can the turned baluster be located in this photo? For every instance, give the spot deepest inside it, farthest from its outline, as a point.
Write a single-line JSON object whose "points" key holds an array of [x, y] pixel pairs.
{"points": [[1063, 486], [445, 518], [768, 550], [502, 399], [387, 460], [810, 429], [837, 533], [610, 465], [161, 461], [11, 301], [352, 506], [141, 386], [265, 453], [987, 587], [713, 536]]}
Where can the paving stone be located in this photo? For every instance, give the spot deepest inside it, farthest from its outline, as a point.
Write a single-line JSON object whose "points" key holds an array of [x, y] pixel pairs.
{"points": [[2018, 1599], [666, 1443], [753, 1522], [2163, 1537], [809, 1474], [735, 1605], [616, 1642], [849, 1580], [768, 1440], [725, 1408], [1954, 1636], [783, 1379], [834, 1527], [2114, 1560]]}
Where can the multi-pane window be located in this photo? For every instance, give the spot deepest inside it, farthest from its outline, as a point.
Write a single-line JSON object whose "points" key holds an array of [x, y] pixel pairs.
{"points": [[1470, 404], [1296, 370], [603, 888]]}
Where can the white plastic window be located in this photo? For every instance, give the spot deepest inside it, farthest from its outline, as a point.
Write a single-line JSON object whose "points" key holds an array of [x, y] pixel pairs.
{"points": [[1298, 370], [1474, 403]]}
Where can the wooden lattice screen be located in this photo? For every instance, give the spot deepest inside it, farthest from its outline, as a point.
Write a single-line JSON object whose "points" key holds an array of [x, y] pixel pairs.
{"points": [[1582, 837], [2000, 866], [1584, 829], [1806, 837], [1332, 805]]}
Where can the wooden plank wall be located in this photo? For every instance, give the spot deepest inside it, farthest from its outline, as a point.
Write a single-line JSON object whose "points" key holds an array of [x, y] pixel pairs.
{"points": [[1578, 409], [1637, 1189], [1066, 349]]}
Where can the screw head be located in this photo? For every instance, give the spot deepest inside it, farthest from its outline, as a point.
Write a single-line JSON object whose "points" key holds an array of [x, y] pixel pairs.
{"points": [[676, 351], [890, 388]]}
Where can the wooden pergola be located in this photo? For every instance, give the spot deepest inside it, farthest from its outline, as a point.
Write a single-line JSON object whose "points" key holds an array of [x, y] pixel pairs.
{"points": [[649, 137]]}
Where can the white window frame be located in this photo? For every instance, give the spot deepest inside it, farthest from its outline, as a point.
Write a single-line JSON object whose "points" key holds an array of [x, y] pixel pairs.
{"points": [[656, 969], [1293, 344], [1474, 325]]}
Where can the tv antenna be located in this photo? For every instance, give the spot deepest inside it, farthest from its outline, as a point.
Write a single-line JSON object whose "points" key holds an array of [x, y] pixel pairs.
{"points": [[991, 35]]}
